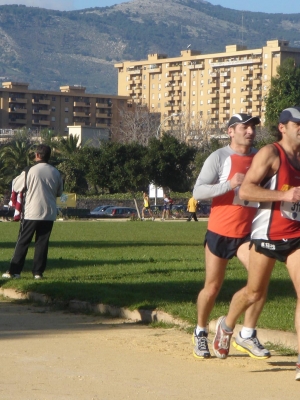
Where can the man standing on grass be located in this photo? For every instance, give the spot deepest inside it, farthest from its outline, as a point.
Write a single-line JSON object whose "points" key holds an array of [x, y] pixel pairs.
{"points": [[228, 233], [192, 207], [274, 180], [41, 185]]}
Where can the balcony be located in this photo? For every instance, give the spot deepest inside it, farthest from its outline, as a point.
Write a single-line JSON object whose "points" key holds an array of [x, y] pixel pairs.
{"points": [[103, 105], [227, 73], [246, 103], [134, 71], [81, 104], [17, 100], [136, 81], [40, 101], [81, 123], [257, 81], [81, 114], [177, 87], [41, 112], [41, 122], [225, 84], [196, 66], [17, 110], [176, 97], [175, 67], [177, 78], [103, 115], [102, 125], [215, 95], [17, 121], [154, 70]]}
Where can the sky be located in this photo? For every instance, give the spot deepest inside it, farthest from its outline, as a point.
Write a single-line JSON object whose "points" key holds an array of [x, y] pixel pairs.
{"points": [[277, 6]]}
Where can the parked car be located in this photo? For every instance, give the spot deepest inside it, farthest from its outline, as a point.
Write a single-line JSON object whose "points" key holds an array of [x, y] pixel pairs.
{"points": [[156, 209], [179, 211], [100, 210], [119, 212]]}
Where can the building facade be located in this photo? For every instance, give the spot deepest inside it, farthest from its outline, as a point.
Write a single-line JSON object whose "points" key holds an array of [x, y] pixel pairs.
{"points": [[21, 107], [204, 87]]}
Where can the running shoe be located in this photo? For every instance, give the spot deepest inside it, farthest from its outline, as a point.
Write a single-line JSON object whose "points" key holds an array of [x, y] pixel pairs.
{"points": [[8, 275], [297, 372], [201, 347], [251, 346], [221, 342]]}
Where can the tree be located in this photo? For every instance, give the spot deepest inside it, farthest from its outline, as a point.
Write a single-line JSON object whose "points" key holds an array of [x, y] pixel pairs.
{"points": [[284, 91], [136, 124], [16, 155], [170, 163]]}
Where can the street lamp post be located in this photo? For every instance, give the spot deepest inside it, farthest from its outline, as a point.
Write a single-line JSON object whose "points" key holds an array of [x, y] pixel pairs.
{"points": [[158, 137]]}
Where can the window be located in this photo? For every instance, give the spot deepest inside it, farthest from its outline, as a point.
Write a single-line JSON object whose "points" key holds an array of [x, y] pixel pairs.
{"points": [[194, 83], [66, 99], [153, 96], [144, 77], [53, 109], [53, 98], [66, 120], [158, 105], [153, 76], [194, 93], [66, 109], [153, 85], [52, 119]]}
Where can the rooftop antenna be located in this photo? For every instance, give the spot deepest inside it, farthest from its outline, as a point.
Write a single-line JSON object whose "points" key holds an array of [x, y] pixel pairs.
{"points": [[188, 46]]}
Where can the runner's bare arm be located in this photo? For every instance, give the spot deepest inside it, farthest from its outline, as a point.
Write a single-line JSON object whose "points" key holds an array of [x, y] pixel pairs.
{"points": [[264, 165]]}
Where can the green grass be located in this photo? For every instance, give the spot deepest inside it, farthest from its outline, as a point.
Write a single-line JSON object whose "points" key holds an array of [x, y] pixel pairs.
{"points": [[140, 265]]}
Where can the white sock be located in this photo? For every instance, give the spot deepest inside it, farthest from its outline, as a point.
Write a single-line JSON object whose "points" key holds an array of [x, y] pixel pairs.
{"points": [[200, 329], [246, 332]]}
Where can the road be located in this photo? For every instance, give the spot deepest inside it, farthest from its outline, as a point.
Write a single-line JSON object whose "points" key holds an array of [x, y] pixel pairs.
{"points": [[58, 355]]}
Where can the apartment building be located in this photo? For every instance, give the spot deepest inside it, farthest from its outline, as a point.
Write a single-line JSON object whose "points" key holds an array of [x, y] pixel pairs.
{"points": [[21, 107], [204, 87]]}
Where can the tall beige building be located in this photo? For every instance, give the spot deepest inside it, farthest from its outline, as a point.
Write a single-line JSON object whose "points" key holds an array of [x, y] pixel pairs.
{"points": [[204, 87], [21, 107]]}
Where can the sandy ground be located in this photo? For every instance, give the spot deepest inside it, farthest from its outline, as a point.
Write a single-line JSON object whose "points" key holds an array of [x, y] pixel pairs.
{"points": [[57, 355]]}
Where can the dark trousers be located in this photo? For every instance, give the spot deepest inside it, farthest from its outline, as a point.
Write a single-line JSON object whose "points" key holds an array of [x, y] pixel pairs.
{"points": [[193, 215], [42, 231]]}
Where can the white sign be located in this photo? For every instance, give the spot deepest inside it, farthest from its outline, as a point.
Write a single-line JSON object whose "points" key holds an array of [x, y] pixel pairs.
{"points": [[155, 192]]}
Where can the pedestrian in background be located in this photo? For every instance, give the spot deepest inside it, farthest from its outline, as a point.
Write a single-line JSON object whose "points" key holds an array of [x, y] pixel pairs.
{"points": [[42, 184], [192, 208]]}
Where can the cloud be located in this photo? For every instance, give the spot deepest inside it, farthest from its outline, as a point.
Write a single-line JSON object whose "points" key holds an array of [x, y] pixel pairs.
{"points": [[62, 5]]}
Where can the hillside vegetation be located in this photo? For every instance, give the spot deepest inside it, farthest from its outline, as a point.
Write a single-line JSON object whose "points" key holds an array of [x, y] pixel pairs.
{"points": [[49, 48]]}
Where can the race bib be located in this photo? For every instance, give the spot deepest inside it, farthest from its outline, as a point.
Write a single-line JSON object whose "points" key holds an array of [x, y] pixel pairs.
{"points": [[244, 203], [290, 210]]}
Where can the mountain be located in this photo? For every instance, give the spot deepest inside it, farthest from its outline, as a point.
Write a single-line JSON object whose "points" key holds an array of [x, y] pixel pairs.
{"points": [[49, 48]]}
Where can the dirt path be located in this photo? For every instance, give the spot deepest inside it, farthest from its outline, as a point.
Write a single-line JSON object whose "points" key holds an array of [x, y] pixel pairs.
{"points": [[57, 355]]}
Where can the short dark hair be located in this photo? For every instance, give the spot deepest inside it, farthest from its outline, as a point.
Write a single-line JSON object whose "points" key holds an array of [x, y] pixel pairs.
{"points": [[44, 152]]}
